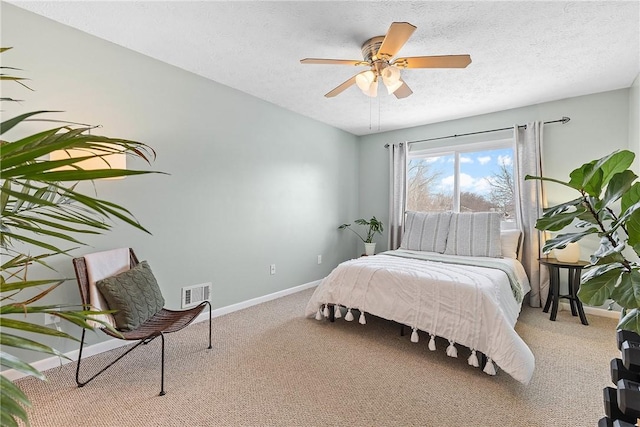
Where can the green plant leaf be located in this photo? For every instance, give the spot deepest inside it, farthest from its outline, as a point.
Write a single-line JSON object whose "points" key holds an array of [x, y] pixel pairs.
{"points": [[632, 227], [615, 163], [627, 293], [619, 184], [631, 197], [593, 176], [34, 328], [562, 207], [12, 399], [557, 181], [38, 199], [43, 166], [87, 175], [45, 232], [11, 340], [599, 288], [24, 239], [614, 258], [600, 269], [563, 240], [631, 321], [9, 149], [9, 124], [29, 198], [624, 218], [24, 284], [20, 397], [12, 362], [558, 221]]}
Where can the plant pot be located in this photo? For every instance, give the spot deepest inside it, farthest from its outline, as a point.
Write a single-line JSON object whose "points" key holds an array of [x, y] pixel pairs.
{"points": [[570, 253], [369, 248]]}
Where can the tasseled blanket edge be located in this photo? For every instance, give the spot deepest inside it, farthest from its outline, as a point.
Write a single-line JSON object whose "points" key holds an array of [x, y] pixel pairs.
{"points": [[452, 351]]}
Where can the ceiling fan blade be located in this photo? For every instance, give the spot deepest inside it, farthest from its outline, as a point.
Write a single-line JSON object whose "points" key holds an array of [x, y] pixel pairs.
{"points": [[344, 86], [397, 36], [332, 61], [403, 91], [444, 61]]}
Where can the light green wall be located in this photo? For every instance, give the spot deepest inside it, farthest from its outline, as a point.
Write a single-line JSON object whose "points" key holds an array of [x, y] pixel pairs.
{"points": [[634, 120], [599, 125], [250, 184]]}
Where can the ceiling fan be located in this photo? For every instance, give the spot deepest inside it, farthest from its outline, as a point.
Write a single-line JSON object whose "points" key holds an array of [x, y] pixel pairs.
{"points": [[378, 53]]}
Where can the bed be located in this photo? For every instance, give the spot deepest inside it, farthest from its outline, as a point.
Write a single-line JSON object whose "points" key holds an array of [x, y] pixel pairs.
{"points": [[449, 279]]}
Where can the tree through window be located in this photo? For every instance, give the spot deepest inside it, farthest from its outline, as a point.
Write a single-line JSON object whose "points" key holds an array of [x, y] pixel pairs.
{"points": [[474, 179]]}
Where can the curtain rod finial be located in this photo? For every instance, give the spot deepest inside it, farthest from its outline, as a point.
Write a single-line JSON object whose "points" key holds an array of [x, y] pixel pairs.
{"points": [[565, 120]]}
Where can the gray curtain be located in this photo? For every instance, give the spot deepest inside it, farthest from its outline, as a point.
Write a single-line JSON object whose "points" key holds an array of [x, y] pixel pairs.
{"points": [[397, 192], [528, 147]]}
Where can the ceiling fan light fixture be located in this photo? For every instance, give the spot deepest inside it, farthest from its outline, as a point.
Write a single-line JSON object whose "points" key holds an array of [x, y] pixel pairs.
{"points": [[379, 54], [390, 75], [391, 88], [365, 79], [372, 90]]}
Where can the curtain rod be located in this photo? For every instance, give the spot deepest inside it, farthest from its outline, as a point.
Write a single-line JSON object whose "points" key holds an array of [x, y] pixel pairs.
{"points": [[563, 120]]}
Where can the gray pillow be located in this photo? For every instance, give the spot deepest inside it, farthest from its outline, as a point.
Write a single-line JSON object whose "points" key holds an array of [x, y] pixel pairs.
{"points": [[426, 231], [135, 295], [475, 234]]}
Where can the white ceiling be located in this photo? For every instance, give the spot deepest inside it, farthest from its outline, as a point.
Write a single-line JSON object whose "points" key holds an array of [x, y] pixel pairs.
{"points": [[523, 52]]}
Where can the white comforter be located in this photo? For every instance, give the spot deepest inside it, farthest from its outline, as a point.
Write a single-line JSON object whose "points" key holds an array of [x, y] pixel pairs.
{"points": [[470, 305]]}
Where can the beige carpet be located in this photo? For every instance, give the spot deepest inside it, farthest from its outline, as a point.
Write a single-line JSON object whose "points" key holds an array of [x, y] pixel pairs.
{"points": [[272, 366]]}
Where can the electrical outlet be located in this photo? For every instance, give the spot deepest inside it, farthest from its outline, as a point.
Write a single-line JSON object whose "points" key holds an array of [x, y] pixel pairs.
{"points": [[272, 269], [50, 319], [319, 259]]}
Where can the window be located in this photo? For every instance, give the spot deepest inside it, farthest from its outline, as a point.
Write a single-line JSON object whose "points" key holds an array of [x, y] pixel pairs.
{"points": [[465, 178]]}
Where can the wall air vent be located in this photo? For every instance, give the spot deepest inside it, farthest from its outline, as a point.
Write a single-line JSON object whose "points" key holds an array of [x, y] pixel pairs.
{"points": [[194, 295]]}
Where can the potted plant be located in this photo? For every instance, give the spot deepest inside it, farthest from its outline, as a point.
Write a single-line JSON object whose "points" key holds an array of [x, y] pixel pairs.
{"points": [[42, 211], [607, 206], [374, 225]]}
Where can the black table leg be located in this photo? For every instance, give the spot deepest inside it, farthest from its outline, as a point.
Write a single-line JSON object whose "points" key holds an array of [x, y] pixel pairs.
{"points": [[574, 285], [555, 291], [549, 296], [574, 270], [573, 297]]}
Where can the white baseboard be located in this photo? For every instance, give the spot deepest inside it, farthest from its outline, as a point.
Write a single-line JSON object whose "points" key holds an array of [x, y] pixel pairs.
{"points": [[54, 362], [593, 310]]}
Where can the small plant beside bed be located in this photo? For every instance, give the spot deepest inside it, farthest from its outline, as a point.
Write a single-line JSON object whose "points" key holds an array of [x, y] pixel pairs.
{"points": [[375, 226]]}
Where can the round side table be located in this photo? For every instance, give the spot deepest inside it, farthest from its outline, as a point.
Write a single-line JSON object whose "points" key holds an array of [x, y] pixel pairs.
{"points": [[574, 270]]}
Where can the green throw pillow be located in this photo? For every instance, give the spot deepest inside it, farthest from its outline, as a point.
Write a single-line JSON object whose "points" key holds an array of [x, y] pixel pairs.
{"points": [[135, 295]]}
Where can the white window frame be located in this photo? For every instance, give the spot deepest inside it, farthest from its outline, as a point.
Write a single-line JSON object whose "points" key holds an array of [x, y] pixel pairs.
{"points": [[459, 149]]}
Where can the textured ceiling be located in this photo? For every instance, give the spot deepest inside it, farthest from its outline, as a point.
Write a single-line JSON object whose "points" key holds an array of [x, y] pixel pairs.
{"points": [[523, 52]]}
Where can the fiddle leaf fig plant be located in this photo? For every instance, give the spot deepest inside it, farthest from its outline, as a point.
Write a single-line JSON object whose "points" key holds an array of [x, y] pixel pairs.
{"points": [[375, 226], [607, 206]]}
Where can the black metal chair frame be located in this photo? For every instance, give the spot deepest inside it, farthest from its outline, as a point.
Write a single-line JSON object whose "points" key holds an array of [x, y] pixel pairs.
{"points": [[163, 322]]}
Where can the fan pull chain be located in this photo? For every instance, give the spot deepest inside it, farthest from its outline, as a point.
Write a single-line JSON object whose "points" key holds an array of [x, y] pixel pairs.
{"points": [[370, 111], [378, 114]]}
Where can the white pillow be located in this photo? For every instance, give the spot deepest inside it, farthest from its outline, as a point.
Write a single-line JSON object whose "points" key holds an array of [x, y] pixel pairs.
{"points": [[426, 231], [509, 243], [474, 234]]}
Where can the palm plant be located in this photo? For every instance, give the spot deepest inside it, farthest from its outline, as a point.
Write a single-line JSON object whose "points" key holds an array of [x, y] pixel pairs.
{"points": [[608, 206], [41, 211]]}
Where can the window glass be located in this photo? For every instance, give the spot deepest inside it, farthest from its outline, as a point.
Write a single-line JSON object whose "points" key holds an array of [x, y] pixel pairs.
{"points": [[478, 180], [427, 186]]}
